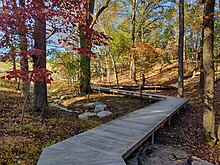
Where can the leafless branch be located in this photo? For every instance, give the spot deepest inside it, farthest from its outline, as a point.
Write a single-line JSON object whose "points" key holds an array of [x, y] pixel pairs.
{"points": [[99, 13], [52, 33]]}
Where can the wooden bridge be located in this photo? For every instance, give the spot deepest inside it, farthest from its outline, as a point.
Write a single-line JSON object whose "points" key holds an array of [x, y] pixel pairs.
{"points": [[111, 143]]}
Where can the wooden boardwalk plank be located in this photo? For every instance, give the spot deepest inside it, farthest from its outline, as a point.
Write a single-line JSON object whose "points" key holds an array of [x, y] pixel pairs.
{"points": [[114, 141]]}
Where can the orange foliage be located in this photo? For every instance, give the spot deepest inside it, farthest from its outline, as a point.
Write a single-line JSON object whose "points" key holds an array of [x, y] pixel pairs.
{"points": [[143, 49]]}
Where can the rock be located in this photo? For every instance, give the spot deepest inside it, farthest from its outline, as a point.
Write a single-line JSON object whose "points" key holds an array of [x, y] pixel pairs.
{"points": [[57, 101], [96, 106], [133, 161], [63, 97], [86, 115], [77, 112], [90, 106], [98, 103], [54, 90], [100, 107], [104, 113], [159, 154], [198, 161]]}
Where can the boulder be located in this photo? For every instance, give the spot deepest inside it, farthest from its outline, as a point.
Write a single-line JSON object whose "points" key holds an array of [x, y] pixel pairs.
{"points": [[98, 103], [95, 106], [89, 106], [104, 113], [86, 115], [100, 107], [158, 155]]}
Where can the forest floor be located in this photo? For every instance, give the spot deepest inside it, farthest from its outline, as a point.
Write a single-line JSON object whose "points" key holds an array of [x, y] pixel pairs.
{"points": [[37, 133]]}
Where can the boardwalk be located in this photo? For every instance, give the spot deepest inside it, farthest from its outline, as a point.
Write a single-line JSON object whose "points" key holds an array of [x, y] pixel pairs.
{"points": [[111, 143]]}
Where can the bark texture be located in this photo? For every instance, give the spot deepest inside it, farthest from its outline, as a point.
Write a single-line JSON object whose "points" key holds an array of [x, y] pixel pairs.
{"points": [[23, 47], [180, 48], [201, 82], [209, 75], [85, 43], [40, 87], [133, 58]]}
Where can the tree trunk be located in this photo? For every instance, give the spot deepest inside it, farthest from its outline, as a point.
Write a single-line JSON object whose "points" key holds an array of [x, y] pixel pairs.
{"points": [[108, 69], [85, 43], [201, 82], [85, 73], [197, 50], [101, 70], [40, 87], [208, 63], [23, 47], [133, 59], [133, 68], [115, 69], [180, 49]]}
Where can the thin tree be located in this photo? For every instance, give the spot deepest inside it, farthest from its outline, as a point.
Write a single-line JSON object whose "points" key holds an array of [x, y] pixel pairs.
{"points": [[209, 74], [180, 49], [201, 82], [23, 48], [133, 58]]}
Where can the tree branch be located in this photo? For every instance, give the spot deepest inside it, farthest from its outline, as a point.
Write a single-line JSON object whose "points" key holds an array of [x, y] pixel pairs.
{"points": [[52, 33], [99, 13]]}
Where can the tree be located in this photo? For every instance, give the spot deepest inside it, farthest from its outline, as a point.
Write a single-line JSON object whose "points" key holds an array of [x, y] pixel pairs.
{"points": [[113, 25], [201, 80], [86, 36], [133, 58], [193, 20], [85, 43], [180, 48], [60, 16], [40, 85], [23, 48], [209, 74]]}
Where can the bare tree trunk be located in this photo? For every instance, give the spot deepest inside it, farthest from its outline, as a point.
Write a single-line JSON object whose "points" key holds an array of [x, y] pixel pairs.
{"points": [[197, 51], [23, 47], [201, 82], [133, 59], [101, 70], [107, 61], [184, 49], [115, 68], [40, 87], [209, 74], [180, 49]]}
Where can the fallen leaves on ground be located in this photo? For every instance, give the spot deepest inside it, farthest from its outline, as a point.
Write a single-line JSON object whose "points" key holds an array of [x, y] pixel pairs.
{"points": [[38, 133], [185, 131]]}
